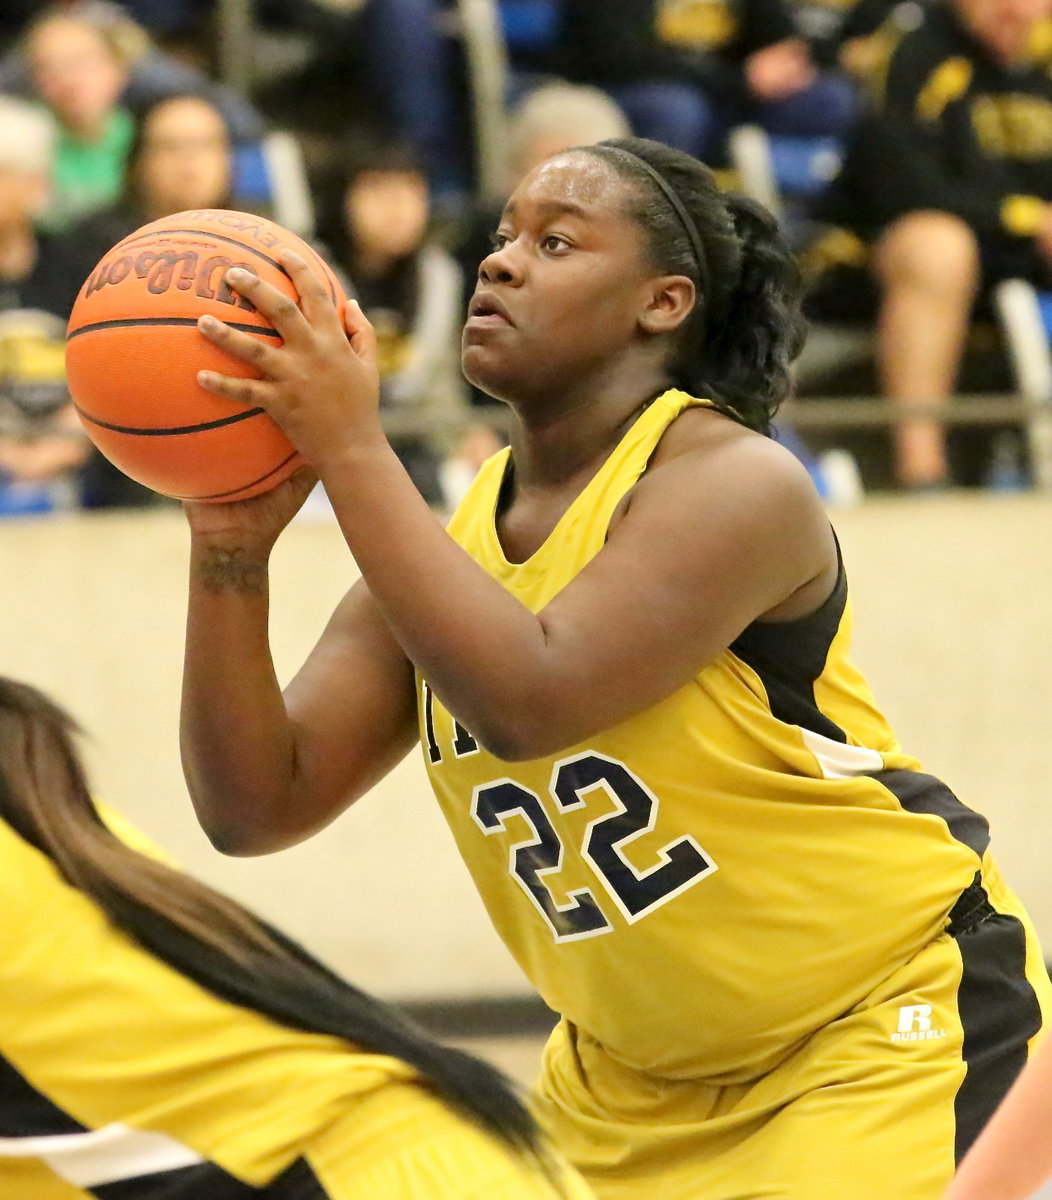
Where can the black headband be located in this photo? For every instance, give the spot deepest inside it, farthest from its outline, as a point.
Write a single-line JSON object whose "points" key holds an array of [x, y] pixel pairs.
{"points": [[685, 219]]}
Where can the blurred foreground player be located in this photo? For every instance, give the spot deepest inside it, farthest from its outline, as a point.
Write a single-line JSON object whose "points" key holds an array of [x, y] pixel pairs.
{"points": [[157, 1040]]}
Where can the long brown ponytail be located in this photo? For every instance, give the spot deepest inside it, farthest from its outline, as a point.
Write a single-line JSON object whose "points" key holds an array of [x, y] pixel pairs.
{"points": [[45, 798]]}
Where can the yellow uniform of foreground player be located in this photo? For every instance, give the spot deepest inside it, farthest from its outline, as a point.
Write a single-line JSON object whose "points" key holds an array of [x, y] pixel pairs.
{"points": [[738, 900], [785, 966], [143, 1063]]}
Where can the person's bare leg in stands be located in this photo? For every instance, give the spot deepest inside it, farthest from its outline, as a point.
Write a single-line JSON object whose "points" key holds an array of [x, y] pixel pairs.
{"points": [[928, 267]]}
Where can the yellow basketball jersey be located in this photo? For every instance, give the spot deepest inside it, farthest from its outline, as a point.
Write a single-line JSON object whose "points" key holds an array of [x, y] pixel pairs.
{"points": [[713, 879], [113, 1065]]}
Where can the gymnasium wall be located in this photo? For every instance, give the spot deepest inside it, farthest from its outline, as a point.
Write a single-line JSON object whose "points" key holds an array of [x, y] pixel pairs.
{"points": [[952, 600]]}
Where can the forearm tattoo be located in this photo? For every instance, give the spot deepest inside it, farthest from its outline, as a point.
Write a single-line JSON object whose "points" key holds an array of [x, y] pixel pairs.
{"points": [[233, 570]]}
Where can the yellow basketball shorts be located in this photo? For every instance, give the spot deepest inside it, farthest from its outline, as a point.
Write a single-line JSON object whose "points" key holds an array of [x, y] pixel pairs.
{"points": [[878, 1105]]}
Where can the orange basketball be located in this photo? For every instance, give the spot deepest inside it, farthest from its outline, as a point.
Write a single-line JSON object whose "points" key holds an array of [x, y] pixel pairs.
{"points": [[133, 353]]}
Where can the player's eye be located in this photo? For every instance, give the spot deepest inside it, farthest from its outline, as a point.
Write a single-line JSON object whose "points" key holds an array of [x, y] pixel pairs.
{"points": [[498, 240], [554, 241]]}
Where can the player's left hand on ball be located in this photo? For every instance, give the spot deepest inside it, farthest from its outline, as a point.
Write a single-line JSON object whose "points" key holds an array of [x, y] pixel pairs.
{"points": [[321, 385]]}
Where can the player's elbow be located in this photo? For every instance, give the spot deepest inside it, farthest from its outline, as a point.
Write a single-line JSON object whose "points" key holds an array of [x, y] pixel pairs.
{"points": [[239, 841], [531, 732], [240, 836]]}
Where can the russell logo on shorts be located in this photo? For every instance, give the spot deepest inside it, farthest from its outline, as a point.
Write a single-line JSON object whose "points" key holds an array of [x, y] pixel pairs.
{"points": [[915, 1024]]}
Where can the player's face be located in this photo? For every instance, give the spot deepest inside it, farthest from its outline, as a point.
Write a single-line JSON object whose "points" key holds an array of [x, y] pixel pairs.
{"points": [[562, 293]]}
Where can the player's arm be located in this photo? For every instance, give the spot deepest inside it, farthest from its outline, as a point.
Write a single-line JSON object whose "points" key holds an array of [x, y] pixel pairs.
{"points": [[711, 542], [266, 770], [714, 539], [1012, 1156]]}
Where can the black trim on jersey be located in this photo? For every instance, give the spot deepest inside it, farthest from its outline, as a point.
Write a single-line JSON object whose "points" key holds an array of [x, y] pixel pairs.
{"points": [[921, 793], [998, 1007], [184, 1183], [206, 1181], [999, 1013], [789, 656], [25, 1112]]}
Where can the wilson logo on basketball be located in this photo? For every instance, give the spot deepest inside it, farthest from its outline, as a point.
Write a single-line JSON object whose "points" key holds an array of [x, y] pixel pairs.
{"points": [[165, 269]]}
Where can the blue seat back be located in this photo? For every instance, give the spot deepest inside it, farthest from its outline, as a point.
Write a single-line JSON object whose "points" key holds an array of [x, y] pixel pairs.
{"points": [[530, 24], [1044, 301], [251, 180], [804, 165]]}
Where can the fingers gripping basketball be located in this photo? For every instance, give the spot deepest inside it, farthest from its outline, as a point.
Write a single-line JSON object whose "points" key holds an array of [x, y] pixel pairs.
{"points": [[134, 352]]}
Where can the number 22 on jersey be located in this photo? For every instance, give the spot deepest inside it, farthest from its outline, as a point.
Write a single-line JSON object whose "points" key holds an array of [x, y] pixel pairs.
{"points": [[636, 892]]}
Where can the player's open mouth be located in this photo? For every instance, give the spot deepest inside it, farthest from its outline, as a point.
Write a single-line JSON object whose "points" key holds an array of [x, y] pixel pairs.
{"points": [[486, 310]]}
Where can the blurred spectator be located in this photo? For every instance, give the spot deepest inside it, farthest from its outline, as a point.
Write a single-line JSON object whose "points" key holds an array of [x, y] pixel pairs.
{"points": [[180, 158], [838, 32], [556, 116], [946, 189], [146, 72], [396, 61], [41, 441], [377, 229], [80, 71], [687, 71]]}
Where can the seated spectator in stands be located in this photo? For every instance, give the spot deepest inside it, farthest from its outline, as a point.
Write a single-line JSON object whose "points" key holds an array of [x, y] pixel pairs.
{"points": [[686, 72], [41, 440], [79, 72], [396, 60], [148, 73], [839, 32], [377, 230], [946, 189], [180, 158], [157, 1040]]}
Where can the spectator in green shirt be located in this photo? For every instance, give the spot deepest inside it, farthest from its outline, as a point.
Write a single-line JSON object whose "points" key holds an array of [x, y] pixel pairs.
{"points": [[79, 70]]}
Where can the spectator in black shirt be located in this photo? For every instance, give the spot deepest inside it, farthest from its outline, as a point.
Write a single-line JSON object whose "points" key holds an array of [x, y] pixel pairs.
{"points": [[947, 189], [686, 72]]}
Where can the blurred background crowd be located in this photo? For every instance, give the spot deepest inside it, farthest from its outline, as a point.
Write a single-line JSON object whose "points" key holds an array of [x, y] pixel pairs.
{"points": [[906, 147]]}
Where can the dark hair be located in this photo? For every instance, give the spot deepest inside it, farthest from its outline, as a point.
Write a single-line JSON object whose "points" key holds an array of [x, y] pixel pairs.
{"points": [[363, 156], [737, 346], [209, 938], [131, 185]]}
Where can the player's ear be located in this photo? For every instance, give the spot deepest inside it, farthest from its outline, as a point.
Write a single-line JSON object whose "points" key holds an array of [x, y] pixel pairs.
{"points": [[667, 304]]}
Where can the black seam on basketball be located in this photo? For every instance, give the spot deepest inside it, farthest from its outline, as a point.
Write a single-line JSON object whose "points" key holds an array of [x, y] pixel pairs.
{"points": [[127, 322], [233, 242], [171, 430], [251, 483]]}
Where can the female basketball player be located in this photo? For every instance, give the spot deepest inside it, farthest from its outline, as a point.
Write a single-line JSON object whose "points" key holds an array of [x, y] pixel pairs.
{"points": [[156, 1040], [785, 963], [1012, 1156]]}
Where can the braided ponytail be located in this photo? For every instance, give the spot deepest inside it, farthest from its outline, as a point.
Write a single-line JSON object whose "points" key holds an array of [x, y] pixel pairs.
{"points": [[737, 347]]}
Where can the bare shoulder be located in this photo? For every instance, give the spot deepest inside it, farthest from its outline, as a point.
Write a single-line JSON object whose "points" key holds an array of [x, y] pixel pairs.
{"points": [[743, 493], [727, 458]]}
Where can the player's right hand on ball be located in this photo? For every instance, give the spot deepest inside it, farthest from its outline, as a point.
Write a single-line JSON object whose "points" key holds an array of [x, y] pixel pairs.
{"points": [[253, 524]]}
